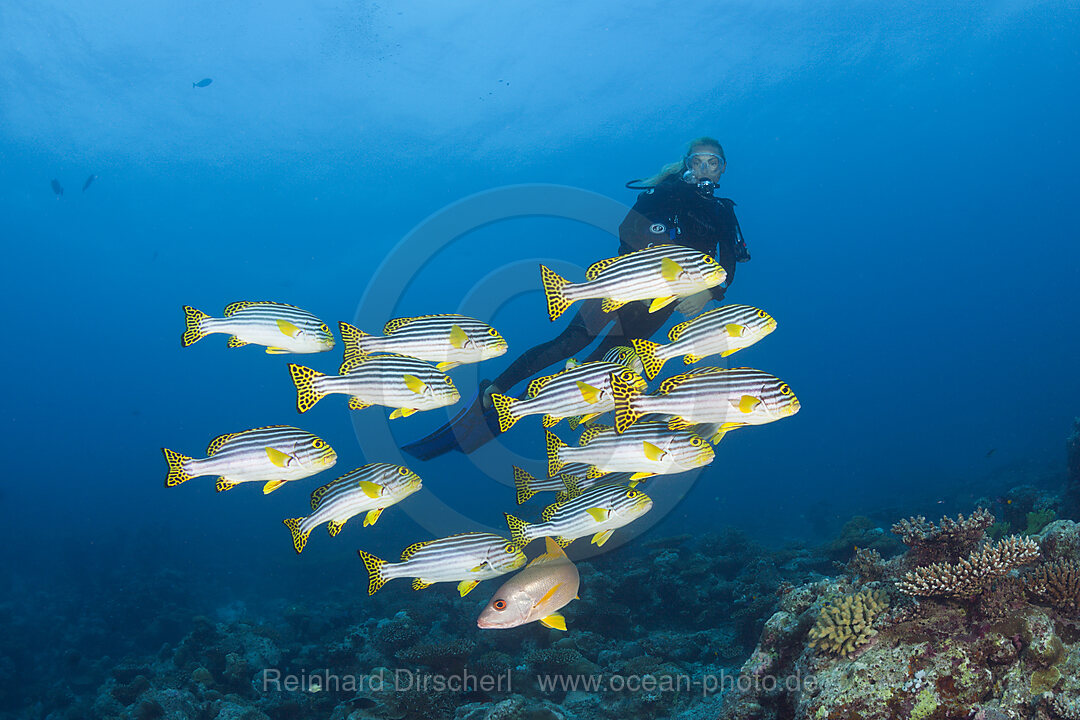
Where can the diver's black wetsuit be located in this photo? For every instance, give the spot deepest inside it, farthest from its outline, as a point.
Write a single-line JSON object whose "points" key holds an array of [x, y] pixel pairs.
{"points": [[673, 212]]}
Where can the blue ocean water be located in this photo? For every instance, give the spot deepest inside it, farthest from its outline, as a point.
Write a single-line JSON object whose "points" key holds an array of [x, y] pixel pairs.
{"points": [[905, 179]]}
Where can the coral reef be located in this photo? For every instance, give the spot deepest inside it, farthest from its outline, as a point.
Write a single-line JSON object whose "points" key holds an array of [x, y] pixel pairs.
{"points": [[1071, 500], [846, 625], [931, 542], [1056, 584], [972, 575]]}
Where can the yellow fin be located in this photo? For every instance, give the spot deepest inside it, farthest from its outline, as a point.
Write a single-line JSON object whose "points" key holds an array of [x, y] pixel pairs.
{"points": [[555, 621], [747, 403], [723, 354], [625, 412], [536, 385], [609, 305], [271, 486], [299, 539], [372, 516], [675, 332], [334, 527], [277, 351], [548, 595], [590, 433], [287, 328], [504, 407], [601, 537], [415, 384], [691, 359], [641, 476], [670, 270], [375, 568], [466, 586], [552, 553], [595, 472], [661, 302], [653, 452], [217, 443], [222, 484], [735, 329], [193, 332], [458, 338], [523, 481], [599, 514], [550, 421], [589, 393], [555, 292], [235, 342], [392, 326], [554, 449], [646, 351], [177, 474], [372, 490], [419, 584], [356, 403], [599, 266], [447, 365], [278, 458], [677, 423], [306, 393], [402, 412], [564, 541], [412, 549], [518, 530]]}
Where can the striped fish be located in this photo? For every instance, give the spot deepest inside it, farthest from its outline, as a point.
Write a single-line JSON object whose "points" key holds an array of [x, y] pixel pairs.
{"points": [[598, 511], [395, 381], [722, 331], [525, 485], [731, 398], [584, 390], [661, 273], [370, 488], [468, 557], [644, 449], [281, 328], [274, 455], [447, 340]]}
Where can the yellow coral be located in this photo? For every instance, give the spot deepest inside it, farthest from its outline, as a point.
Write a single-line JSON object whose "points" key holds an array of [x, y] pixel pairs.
{"points": [[843, 627]]}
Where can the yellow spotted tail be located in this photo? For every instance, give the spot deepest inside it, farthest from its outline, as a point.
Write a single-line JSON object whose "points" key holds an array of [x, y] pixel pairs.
{"points": [[504, 406], [177, 474], [375, 568], [299, 538], [304, 380], [555, 292], [353, 340], [518, 530], [523, 485], [624, 394], [554, 445], [193, 331], [646, 350]]}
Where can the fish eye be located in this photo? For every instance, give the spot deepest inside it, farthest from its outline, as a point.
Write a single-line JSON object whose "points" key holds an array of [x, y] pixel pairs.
{"points": [[627, 375], [510, 548], [696, 442], [493, 332], [317, 444], [632, 494], [785, 389], [707, 259], [762, 313], [324, 328], [499, 604], [403, 470], [449, 381]]}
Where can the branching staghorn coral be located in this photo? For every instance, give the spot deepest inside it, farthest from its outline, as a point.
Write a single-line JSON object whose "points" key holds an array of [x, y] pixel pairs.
{"points": [[1056, 584], [843, 627], [969, 577], [930, 542]]}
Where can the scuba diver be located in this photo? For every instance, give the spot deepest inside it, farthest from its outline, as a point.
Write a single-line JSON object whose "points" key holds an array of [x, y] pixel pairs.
{"points": [[677, 206]]}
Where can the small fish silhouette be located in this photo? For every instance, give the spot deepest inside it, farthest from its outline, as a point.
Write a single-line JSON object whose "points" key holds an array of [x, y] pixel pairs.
{"points": [[990, 452], [202, 83], [89, 180], [57, 188]]}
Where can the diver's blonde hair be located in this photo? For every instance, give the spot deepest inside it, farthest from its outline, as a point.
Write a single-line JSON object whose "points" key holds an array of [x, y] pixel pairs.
{"points": [[679, 166]]}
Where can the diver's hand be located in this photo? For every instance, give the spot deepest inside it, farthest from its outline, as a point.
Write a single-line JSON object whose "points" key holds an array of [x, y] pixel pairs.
{"points": [[692, 305]]}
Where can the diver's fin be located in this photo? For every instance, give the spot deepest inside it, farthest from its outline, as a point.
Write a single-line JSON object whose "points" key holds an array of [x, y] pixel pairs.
{"points": [[472, 427]]}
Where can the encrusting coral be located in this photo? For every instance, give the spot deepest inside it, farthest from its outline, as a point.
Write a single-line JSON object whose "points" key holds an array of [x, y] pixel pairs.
{"points": [[969, 577], [845, 626], [1056, 584]]}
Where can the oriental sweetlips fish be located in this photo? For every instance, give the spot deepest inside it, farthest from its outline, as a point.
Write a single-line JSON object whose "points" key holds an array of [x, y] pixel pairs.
{"points": [[662, 274], [722, 331], [582, 392], [448, 340], [526, 485], [466, 558], [729, 398], [598, 511], [274, 455], [370, 488], [279, 327], [644, 449], [537, 593], [396, 381]]}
